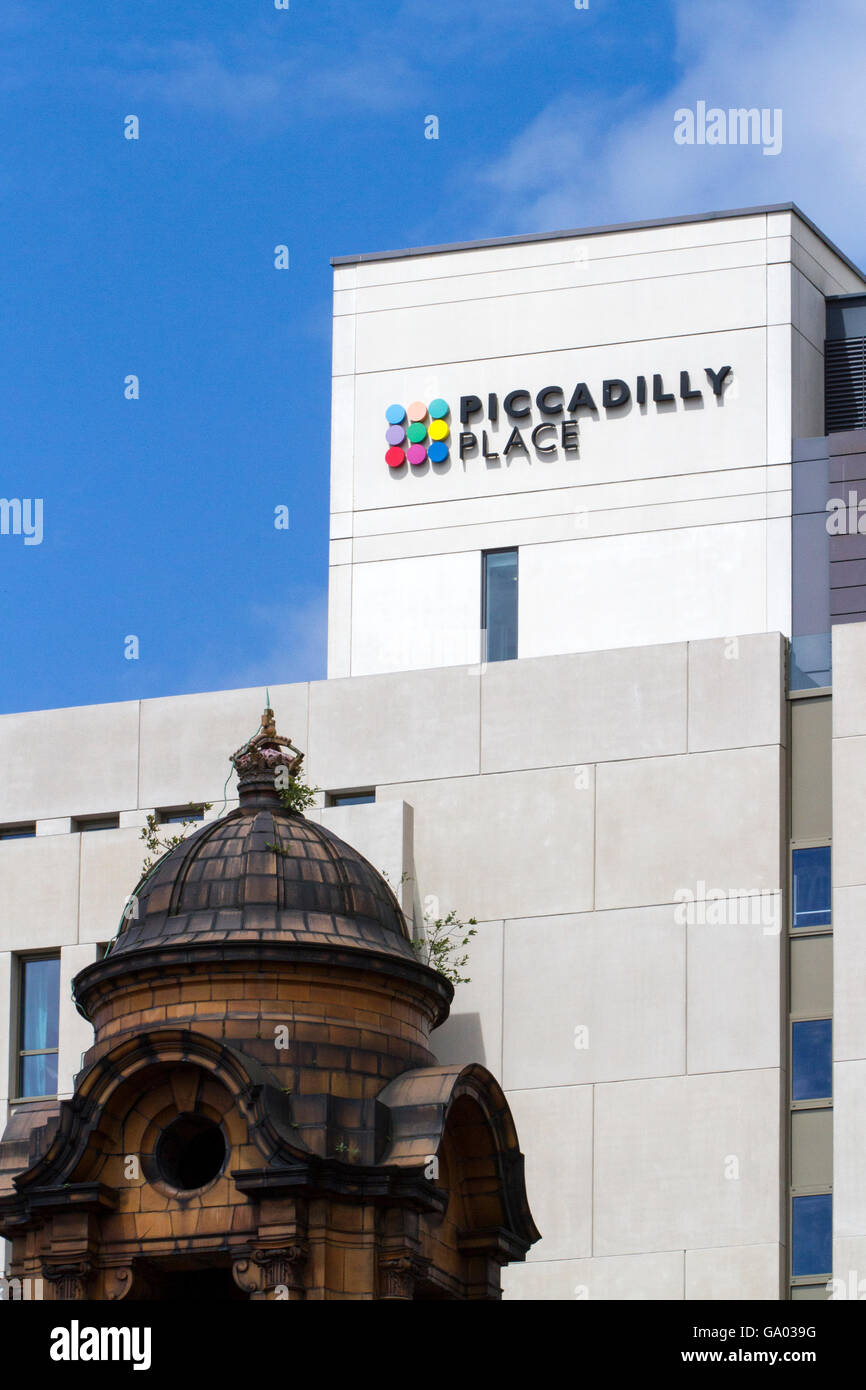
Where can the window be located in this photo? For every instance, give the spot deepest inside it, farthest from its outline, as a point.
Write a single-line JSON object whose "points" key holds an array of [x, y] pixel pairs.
{"points": [[175, 815], [499, 604], [844, 382], [810, 1002], [18, 832], [812, 1059], [190, 1152], [38, 1020], [811, 887], [349, 798], [85, 823], [812, 1226]]}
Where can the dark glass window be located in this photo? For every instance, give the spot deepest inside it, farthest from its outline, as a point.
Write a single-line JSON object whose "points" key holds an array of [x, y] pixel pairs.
{"points": [[351, 798], [812, 1235], [178, 814], [38, 1029], [499, 605], [812, 1061], [811, 879], [18, 832], [85, 823]]}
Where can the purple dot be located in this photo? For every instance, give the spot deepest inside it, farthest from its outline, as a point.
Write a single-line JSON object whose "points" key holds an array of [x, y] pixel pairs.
{"points": [[417, 453], [395, 434]]}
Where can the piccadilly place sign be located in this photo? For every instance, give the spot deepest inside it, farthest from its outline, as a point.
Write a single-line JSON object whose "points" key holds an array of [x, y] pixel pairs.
{"points": [[420, 433]]}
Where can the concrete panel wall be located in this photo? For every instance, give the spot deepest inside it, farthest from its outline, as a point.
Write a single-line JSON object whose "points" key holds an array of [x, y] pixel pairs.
{"points": [[566, 802]]}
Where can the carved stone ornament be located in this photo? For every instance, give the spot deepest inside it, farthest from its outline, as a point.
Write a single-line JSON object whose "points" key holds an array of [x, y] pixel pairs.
{"points": [[247, 1276], [69, 1279], [282, 1265], [118, 1282], [266, 751], [398, 1275]]}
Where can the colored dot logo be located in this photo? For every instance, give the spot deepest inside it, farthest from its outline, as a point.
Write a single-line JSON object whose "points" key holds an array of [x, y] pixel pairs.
{"points": [[416, 433]]}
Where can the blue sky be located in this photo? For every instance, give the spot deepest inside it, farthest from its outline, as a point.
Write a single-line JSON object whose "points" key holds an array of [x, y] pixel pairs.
{"points": [[306, 127]]}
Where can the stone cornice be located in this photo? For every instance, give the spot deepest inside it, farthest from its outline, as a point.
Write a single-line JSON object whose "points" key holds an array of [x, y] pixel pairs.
{"points": [[98, 979]]}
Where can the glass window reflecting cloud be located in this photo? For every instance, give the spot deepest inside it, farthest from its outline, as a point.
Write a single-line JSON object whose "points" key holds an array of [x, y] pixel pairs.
{"points": [[811, 880], [499, 605]]}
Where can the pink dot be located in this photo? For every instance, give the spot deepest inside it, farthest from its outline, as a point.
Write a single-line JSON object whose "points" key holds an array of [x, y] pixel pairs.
{"points": [[417, 453], [395, 457], [417, 411]]}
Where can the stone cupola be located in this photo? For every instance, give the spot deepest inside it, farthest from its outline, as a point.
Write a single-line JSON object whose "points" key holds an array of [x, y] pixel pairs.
{"points": [[260, 1114]]}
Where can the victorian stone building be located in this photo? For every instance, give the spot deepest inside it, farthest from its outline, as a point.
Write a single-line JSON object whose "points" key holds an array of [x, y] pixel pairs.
{"points": [[260, 1115]]}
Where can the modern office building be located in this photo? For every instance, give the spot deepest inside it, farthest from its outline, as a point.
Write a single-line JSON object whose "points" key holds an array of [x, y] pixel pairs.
{"points": [[597, 657]]}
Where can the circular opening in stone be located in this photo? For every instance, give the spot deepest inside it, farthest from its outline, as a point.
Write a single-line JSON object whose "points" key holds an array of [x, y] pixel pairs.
{"points": [[190, 1152]]}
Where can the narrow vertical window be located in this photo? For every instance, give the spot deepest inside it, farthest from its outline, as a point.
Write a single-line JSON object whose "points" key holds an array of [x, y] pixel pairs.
{"points": [[811, 885], [39, 1005], [812, 1235], [499, 605], [812, 1059]]}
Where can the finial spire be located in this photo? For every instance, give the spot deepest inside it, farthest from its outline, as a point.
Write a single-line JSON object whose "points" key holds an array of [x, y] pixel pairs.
{"points": [[257, 761]]}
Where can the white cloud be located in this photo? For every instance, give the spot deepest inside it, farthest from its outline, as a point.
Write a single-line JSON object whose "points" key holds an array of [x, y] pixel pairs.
{"points": [[289, 639], [381, 63], [195, 75], [254, 78], [584, 162]]}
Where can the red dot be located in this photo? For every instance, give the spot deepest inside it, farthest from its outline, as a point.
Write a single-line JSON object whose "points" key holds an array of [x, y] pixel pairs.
{"points": [[395, 457]]}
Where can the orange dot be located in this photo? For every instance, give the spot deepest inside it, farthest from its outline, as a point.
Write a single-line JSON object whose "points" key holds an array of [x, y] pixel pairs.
{"points": [[417, 411]]}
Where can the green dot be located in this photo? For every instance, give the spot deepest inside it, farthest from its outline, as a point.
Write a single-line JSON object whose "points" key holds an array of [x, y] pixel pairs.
{"points": [[417, 433]]}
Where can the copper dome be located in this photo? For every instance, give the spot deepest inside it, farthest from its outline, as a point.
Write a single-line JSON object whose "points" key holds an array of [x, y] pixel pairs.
{"points": [[265, 874]]}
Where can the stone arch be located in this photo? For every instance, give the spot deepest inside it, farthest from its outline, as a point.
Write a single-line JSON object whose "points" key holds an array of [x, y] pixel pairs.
{"points": [[87, 1121]]}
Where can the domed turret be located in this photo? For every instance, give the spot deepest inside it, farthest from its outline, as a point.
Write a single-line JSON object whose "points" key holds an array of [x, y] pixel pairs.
{"points": [[262, 1052], [261, 890], [264, 873]]}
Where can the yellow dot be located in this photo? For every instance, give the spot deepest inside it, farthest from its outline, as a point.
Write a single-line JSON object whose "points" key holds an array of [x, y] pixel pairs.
{"points": [[438, 430]]}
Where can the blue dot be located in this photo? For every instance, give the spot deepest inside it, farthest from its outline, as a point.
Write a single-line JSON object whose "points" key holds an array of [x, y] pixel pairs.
{"points": [[438, 452], [395, 414], [438, 409]]}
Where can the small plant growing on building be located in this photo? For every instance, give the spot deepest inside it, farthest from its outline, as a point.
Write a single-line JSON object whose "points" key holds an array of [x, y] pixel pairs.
{"points": [[443, 940], [443, 944], [294, 794], [159, 843]]}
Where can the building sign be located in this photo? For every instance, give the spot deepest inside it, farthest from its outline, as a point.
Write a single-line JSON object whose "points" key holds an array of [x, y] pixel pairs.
{"points": [[420, 432], [417, 433]]}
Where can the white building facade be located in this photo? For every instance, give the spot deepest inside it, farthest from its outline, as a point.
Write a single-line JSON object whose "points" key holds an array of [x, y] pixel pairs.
{"points": [[558, 701]]}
